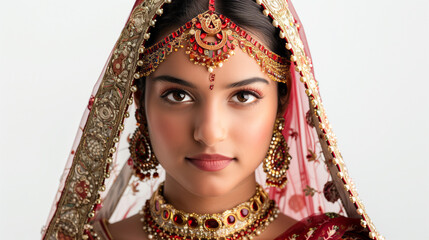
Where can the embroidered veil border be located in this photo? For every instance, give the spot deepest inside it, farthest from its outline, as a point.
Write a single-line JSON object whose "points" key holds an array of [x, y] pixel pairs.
{"points": [[97, 181]]}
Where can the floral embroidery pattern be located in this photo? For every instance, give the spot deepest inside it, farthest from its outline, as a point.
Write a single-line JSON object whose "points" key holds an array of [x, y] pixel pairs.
{"points": [[309, 191]]}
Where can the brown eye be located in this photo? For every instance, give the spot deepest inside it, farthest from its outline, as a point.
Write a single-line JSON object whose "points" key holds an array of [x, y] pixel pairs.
{"points": [[244, 97], [177, 96]]}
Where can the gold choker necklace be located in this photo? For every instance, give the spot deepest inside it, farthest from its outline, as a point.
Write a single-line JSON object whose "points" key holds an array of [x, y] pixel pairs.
{"points": [[245, 221]]}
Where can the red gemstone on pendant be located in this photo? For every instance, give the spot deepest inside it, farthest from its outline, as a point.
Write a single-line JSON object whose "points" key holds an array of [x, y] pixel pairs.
{"points": [[231, 219], [203, 35], [244, 212], [200, 50], [178, 219], [219, 36], [261, 198], [165, 214], [198, 25], [192, 222], [211, 224], [255, 206]]}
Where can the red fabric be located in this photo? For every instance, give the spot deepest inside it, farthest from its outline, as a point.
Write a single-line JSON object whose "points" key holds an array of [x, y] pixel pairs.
{"points": [[307, 175], [325, 227]]}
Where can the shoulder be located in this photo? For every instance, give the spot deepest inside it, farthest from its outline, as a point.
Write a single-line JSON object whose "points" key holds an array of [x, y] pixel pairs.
{"points": [[326, 226]]}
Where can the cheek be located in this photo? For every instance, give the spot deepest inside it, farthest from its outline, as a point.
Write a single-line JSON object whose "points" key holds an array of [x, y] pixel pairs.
{"points": [[252, 136], [169, 131], [255, 137]]}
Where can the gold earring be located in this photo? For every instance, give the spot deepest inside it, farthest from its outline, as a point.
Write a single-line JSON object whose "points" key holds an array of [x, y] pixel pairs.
{"points": [[142, 156], [276, 163]]}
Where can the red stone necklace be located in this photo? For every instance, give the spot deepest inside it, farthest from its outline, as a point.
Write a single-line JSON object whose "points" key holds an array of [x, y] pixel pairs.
{"points": [[245, 221]]}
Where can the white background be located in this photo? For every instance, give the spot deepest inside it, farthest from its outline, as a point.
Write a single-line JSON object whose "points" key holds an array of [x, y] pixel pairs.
{"points": [[370, 57]]}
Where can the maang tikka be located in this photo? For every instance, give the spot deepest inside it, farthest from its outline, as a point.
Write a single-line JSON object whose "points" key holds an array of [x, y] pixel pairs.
{"points": [[276, 163], [210, 39], [142, 157]]}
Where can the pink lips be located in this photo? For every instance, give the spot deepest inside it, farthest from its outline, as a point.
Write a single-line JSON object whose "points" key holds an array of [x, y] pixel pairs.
{"points": [[210, 162]]}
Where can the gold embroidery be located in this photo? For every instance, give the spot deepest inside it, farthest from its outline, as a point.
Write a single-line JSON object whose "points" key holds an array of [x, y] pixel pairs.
{"points": [[283, 19], [94, 153]]}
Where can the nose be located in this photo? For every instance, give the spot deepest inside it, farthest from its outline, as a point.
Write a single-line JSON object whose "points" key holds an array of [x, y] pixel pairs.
{"points": [[210, 125]]}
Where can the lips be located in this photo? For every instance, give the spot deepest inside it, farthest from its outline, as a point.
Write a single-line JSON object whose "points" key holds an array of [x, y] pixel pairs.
{"points": [[210, 162]]}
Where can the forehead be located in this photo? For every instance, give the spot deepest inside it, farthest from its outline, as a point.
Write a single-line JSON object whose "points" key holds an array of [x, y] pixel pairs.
{"points": [[238, 67]]}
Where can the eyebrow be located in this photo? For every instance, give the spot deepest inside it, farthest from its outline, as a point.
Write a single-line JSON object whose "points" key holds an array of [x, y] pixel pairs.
{"points": [[166, 78], [247, 82], [171, 79]]}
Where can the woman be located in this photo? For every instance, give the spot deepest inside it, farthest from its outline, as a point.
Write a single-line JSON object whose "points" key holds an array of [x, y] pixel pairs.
{"points": [[219, 89]]}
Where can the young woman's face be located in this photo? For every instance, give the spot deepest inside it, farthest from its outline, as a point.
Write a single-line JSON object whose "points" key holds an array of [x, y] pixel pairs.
{"points": [[210, 141]]}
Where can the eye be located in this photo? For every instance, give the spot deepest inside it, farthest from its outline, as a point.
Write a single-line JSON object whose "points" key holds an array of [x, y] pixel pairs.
{"points": [[245, 97], [177, 96]]}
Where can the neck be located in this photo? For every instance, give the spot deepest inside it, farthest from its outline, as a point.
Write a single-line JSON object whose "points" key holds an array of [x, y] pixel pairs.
{"points": [[183, 199]]}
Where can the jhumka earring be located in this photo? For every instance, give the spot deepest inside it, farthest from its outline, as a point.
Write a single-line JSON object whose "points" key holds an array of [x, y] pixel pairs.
{"points": [[142, 156], [277, 161]]}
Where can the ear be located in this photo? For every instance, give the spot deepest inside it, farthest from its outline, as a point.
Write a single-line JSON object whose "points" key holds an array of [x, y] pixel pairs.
{"points": [[140, 112]]}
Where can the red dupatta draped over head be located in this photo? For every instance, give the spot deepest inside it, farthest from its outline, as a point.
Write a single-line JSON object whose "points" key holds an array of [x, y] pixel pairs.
{"points": [[98, 183]]}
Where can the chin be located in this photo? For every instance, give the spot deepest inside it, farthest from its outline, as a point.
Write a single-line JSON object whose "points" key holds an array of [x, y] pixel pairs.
{"points": [[210, 186]]}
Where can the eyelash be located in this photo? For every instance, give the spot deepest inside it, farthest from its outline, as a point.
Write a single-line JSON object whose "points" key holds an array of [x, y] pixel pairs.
{"points": [[252, 91], [174, 90]]}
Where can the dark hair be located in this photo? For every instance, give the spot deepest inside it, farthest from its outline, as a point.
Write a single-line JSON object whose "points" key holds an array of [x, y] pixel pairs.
{"points": [[245, 13]]}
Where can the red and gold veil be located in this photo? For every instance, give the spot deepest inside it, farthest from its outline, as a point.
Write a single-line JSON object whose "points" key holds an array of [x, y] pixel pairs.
{"points": [[98, 184]]}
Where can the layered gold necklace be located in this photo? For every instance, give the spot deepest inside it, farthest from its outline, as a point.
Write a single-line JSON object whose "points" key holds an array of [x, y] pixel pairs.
{"points": [[245, 221]]}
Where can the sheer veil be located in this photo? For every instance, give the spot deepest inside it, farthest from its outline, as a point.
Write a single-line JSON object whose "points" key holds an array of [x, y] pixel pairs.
{"points": [[97, 181]]}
